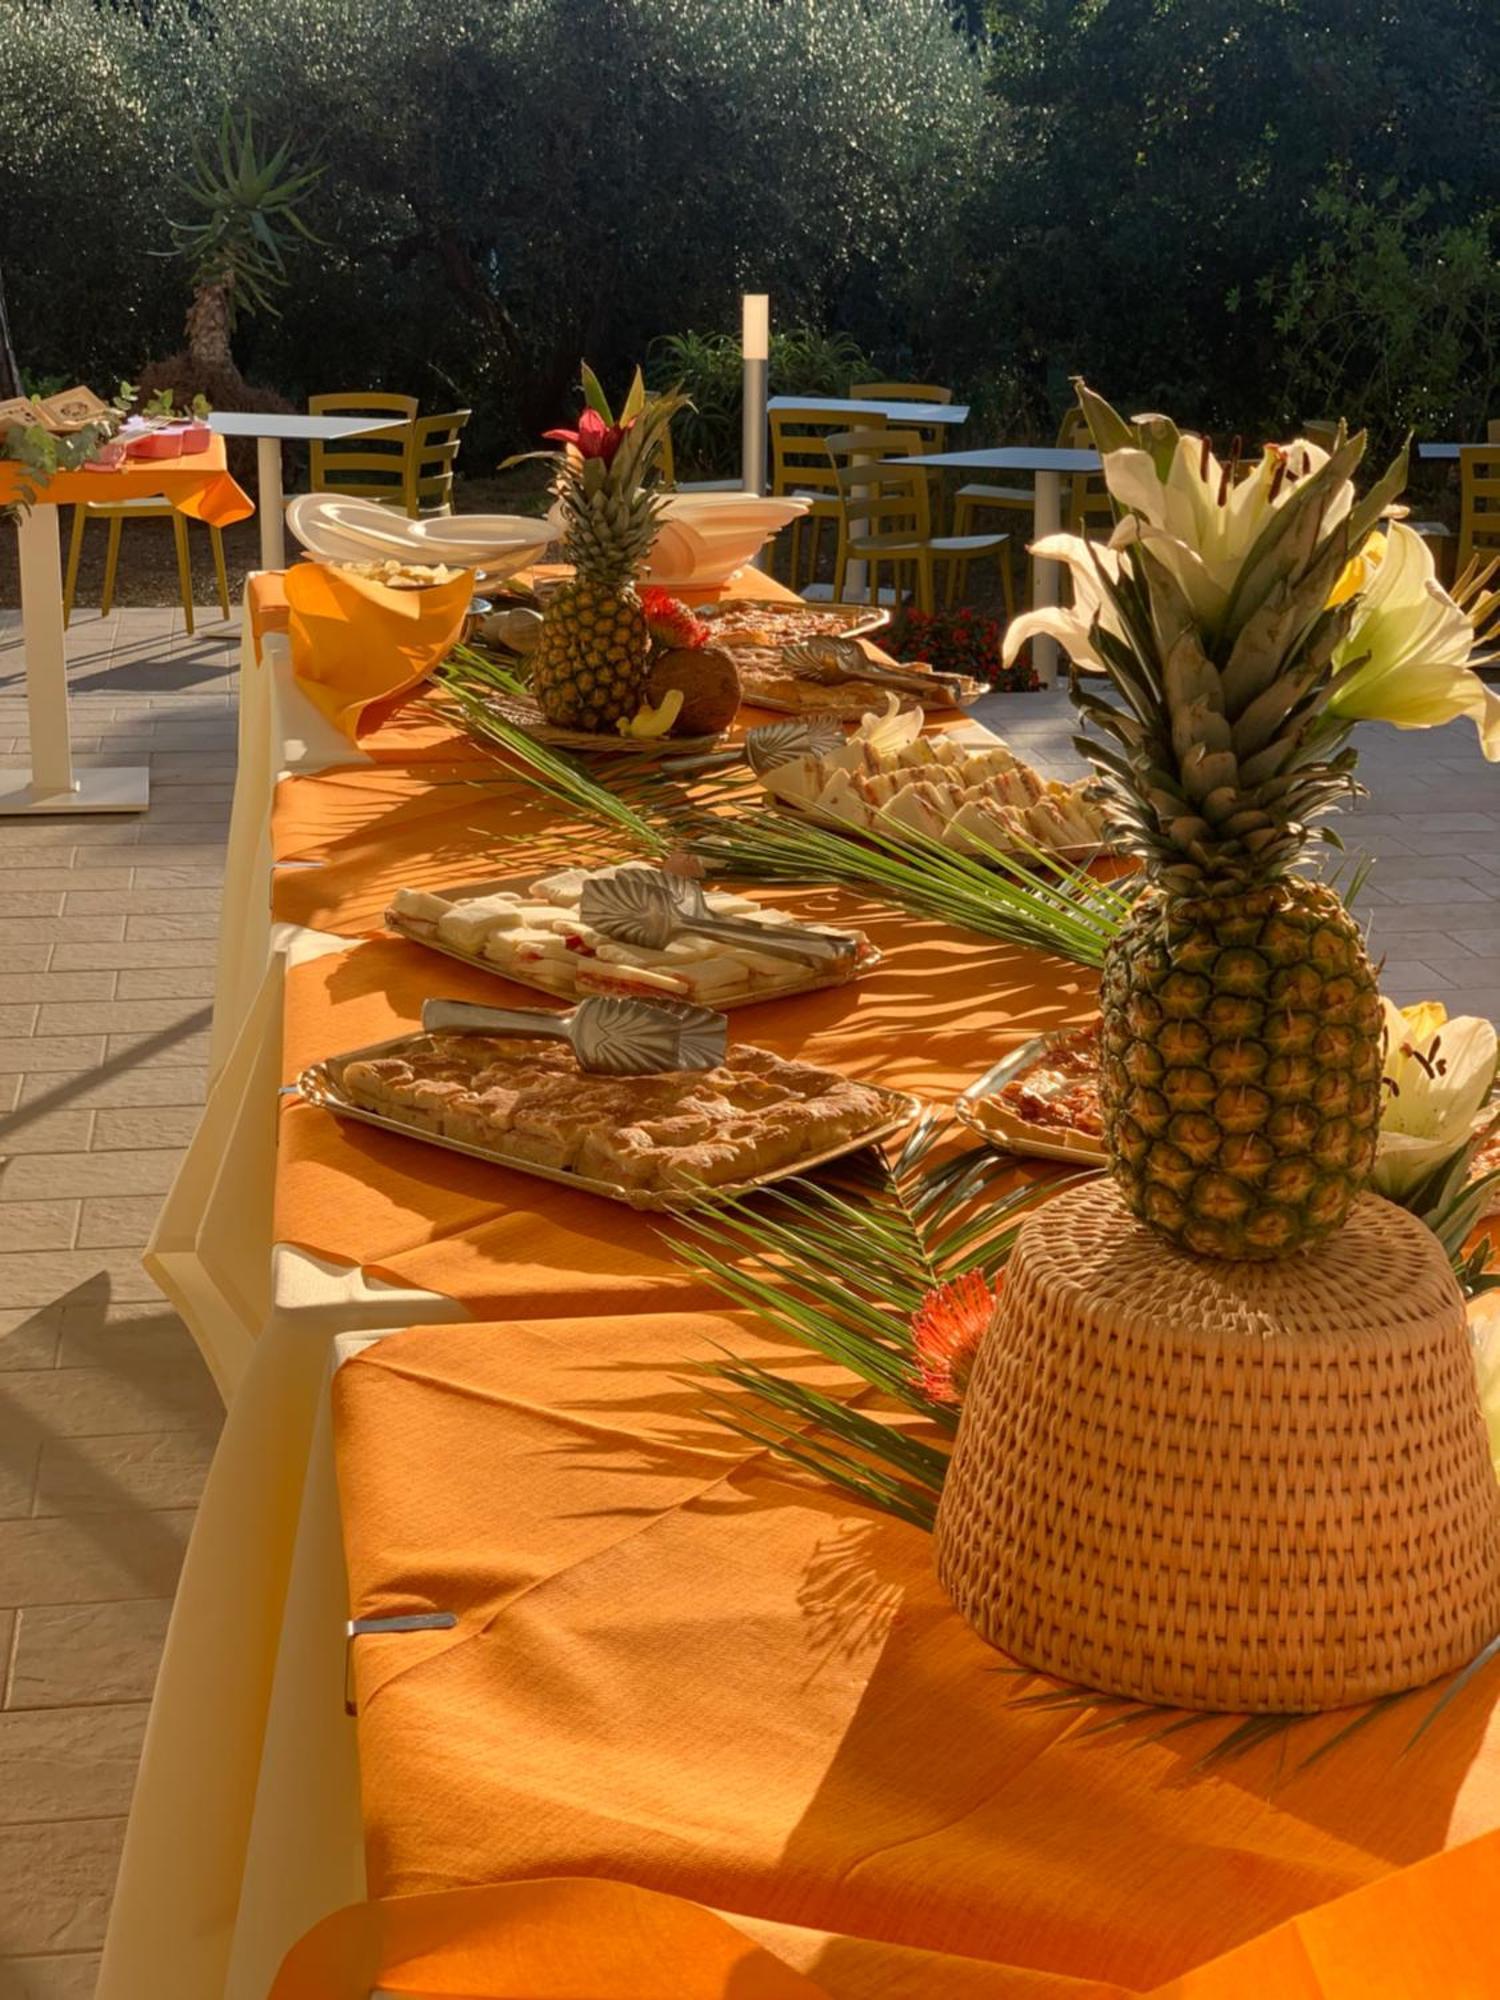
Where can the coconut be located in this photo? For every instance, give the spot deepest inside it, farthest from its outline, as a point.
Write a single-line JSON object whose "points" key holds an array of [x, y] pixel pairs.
{"points": [[710, 685]]}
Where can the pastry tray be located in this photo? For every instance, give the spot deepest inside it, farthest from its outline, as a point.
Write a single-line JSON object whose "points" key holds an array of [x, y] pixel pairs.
{"points": [[813, 980], [1002, 1129], [852, 621], [319, 1084], [1073, 857], [850, 708]]}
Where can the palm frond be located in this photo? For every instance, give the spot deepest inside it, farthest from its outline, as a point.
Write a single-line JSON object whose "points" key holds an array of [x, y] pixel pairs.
{"points": [[721, 817]]}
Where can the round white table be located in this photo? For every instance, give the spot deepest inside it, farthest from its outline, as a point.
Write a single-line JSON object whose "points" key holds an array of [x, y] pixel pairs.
{"points": [[271, 432], [1048, 465]]}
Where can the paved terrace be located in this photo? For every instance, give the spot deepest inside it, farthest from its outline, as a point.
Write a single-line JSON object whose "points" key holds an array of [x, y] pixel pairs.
{"points": [[107, 1417]]}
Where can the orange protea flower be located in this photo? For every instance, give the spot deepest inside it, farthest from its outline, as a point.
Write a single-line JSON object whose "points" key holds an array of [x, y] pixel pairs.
{"points": [[671, 623], [947, 1327]]}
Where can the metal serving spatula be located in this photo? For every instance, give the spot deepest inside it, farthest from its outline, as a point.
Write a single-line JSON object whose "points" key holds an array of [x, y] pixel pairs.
{"points": [[642, 907], [771, 744], [609, 1036]]}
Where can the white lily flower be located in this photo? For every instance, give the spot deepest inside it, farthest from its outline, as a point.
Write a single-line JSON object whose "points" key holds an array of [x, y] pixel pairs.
{"points": [[1202, 522], [1070, 624], [1438, 1074], [1414, 644]]}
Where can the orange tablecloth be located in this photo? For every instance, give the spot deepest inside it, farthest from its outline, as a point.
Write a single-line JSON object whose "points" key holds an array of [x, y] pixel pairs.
{"points": [[679, 1668], [199, 485]]}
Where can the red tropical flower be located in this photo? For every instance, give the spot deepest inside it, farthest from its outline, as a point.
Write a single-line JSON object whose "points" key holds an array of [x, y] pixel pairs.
{"points": [[670, 621], [947, 1328], [594, 438]]}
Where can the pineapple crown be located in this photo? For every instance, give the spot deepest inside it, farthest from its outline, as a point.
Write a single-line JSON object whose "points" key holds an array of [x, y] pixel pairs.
{"points": [[1217, 608], [609, 511]]}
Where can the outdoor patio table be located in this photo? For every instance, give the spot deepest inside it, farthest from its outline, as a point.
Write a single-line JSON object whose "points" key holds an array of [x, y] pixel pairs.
{"points": [[947, 415], [198, 486], [1049, 464], [271, 431]]}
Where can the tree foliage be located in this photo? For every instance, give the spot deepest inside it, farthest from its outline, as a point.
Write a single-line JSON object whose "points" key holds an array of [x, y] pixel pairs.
{"points": [[1242, 210]]}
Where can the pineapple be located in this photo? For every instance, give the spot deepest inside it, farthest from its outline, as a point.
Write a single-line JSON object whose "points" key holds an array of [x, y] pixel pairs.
{"points": [[589, 668], [1241, 1058]]}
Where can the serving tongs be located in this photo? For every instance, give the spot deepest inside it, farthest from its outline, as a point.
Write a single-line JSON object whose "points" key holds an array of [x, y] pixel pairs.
{"points": [[646, 908], [770, 744], [829, 660], [609, 1035]]}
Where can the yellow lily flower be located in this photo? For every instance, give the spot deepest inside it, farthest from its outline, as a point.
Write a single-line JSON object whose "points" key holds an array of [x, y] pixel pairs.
{"points": [[1405, 658], [1438, 1074]]}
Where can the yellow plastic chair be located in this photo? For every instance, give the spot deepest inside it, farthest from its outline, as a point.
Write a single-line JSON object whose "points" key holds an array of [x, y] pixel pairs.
{"points": [[1478, 505], [800, 466], [366, 468], [432, 447], [908, 392], [117, 513], [885, 520]]}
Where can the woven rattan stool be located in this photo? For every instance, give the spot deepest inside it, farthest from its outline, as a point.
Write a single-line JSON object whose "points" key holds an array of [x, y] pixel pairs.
{"points": [[1225, 1486]]}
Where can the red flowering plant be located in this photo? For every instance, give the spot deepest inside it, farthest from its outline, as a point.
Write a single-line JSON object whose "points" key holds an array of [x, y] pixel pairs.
{"points": [[961, 640], [946, 1330], [594, 438]]}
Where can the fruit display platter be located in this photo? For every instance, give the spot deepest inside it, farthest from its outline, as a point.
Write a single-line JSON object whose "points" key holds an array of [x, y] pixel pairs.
{"points": [[522, 712], [320, 1084], [1028, 1101], [804, 979]]}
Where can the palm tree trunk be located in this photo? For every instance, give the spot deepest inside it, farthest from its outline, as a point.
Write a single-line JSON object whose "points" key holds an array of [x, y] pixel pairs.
{"points": [[207, 330], [10, 373]]}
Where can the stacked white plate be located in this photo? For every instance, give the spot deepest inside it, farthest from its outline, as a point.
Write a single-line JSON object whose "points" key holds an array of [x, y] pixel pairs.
{"points": [[335, 527], [706, 537]]}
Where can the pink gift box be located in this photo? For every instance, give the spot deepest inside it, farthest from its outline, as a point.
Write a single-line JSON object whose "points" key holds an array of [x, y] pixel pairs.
{"points": [[195, 438]]}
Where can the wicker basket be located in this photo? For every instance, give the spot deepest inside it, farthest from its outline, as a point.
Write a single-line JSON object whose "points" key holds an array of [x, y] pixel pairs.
{"points": [[1253, 1487]]}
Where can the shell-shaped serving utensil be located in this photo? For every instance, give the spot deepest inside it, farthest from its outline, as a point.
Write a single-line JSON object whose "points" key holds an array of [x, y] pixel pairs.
{"points": [[767, 745], [609, 1036], [643, 907]]}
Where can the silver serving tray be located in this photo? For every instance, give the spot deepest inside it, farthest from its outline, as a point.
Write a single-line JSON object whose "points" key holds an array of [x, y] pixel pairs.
{"points": [[814, 980], [318, 1084], [1014, 1135]]}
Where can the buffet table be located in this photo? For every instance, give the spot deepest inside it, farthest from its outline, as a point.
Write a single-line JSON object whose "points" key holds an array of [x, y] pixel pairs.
{"points": [[538, 1459]]}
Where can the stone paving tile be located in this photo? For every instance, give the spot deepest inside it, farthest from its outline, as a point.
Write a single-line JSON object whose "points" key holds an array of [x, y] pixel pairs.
{"points": [[56, 1879], [67, 1654], [108, 1418]]}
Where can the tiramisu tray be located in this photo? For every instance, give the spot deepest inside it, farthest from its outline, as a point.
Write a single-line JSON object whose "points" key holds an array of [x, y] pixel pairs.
{"points": [[532, 932], [662, 1142]]}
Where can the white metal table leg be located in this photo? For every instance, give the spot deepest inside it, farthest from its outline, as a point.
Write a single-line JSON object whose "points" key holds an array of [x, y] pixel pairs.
{"points": [[52, 785], [1044, 651], [272, 526]]}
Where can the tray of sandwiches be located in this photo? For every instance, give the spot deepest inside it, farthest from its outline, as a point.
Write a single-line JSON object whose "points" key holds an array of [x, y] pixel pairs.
{"points": [[533, 932], [1042, 1100], [976, 798], [663, 1142]]}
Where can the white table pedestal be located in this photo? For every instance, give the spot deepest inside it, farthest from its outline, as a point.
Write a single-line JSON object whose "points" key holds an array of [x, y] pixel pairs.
{"points": [[52, 785]]}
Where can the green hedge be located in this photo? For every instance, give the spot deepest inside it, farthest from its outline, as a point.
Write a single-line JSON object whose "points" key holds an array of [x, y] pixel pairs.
{"points": [[1245, 210]]}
